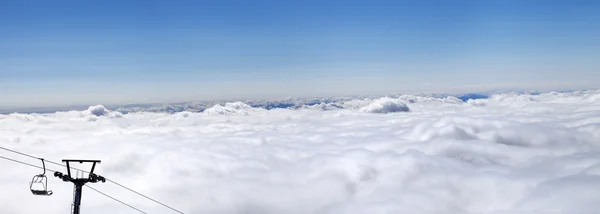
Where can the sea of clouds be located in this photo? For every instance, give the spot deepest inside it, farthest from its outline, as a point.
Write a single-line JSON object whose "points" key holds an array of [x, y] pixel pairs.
{"points": [[509, 153]]}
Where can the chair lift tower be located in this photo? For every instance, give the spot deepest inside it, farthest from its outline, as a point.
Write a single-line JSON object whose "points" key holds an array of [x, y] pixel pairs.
{"points": [[79, 182]]}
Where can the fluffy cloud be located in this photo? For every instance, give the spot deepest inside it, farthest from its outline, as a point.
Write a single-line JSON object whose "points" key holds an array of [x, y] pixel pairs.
{"points": [[94, 112], [385, 105], [98, 110], [228, 108], [511, 153]]}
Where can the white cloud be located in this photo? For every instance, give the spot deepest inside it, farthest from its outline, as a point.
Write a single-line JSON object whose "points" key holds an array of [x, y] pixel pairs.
{"points": [[512, 153], [98, 110], [228, 108], [385, 105]]}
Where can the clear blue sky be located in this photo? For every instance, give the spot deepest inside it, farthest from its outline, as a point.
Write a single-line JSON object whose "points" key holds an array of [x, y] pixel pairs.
{"points": [[118, 51]]}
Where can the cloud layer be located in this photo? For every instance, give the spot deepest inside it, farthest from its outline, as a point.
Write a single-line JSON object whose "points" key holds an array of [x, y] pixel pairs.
{"points": [[510, 153]]}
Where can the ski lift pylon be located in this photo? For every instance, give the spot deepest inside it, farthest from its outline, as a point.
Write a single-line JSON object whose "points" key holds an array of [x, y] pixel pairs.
{"points": [[39, 183]]}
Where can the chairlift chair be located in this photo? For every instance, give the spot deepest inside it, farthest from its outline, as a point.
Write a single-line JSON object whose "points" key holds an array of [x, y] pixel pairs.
{"points": [[41, 183]]}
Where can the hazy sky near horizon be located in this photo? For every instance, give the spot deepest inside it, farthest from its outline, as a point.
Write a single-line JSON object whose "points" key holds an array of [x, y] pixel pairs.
{"points": [[113, 51]]}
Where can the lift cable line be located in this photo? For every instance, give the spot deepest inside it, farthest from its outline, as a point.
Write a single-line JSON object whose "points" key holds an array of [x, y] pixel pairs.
{"points": [[140, 194], [117, 200], [24, 163], [54, 171], [107, 179], [21, 153]]}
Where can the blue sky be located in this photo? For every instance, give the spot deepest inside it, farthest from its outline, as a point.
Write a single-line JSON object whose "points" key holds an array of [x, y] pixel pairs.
{"points": [[118, 51]]}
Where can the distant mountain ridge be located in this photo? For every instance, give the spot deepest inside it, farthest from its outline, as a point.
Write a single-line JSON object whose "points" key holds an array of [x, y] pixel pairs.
{"points": [[468, 97]]}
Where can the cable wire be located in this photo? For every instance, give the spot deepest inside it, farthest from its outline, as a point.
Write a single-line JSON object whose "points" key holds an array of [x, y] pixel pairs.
{"points": [[140, 194], [109, 180], [49, 161], [117, 200], [98, 191], [28, 164], [10, 150]]}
